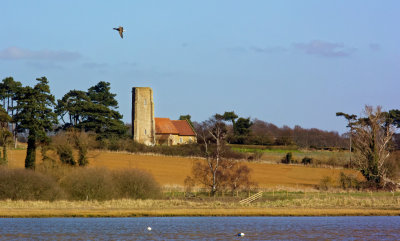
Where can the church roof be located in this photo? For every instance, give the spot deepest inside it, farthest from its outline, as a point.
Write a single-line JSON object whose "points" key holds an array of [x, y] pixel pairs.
{"points": [[165, 126], [183, 127], [177, 127]]}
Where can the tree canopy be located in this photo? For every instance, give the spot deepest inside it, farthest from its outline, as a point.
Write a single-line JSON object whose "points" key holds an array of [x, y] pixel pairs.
{"points": [[35, 114], [94, 110], [187, 118]]}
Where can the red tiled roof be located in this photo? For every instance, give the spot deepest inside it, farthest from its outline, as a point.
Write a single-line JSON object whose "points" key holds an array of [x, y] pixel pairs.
{"points": [[178, 127], [183, 128], [165, 126]]}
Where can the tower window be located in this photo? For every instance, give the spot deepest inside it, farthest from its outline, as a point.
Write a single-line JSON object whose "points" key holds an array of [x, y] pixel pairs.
{"points": [[144, 102], [145, 132]]}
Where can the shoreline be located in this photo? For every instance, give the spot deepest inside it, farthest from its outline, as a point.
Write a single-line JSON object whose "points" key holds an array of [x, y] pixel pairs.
{"points": [[253, 212], [305, 207]]}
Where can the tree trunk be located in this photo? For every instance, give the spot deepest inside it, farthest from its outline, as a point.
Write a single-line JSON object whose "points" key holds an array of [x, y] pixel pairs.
{"points": [[5, 159], [15, 133], [31, 151], [1, 161]]}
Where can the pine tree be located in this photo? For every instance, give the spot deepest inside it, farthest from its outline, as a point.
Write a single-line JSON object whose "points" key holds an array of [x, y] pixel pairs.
{"points": [[36, 115], [94, 110]]}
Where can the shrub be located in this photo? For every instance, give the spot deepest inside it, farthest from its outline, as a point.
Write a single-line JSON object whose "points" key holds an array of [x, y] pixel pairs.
{"points": [[288, 158], [189, 184], [333, 161], [22, 184], [307, 161], [82, 142], [255, 156], [231, 154], [66, 141], [89, 184], [56, 170], [393, 166], [64, 151], [326, 183], [136, 184], [347, 181], [317, 162]]}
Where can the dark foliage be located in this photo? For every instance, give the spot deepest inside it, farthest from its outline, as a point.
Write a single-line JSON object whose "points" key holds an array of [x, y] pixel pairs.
{"points": [[35, 114], [288, 158], [307, 161], [94, 110]]}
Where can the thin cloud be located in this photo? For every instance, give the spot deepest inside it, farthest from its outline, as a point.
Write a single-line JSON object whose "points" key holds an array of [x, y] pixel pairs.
{"points": [[44, 65], [268, 50], [93, 65], [374, 46], [325, 49], [15, 53], [236, 49]]}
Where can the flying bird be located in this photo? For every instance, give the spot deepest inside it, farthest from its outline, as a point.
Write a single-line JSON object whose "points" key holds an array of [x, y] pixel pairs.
{"points": [[120, 31]]}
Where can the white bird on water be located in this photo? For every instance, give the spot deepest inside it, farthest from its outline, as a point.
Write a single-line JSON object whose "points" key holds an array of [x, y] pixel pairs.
{"points": [[120, 31], [240, 234], [149, 228]]}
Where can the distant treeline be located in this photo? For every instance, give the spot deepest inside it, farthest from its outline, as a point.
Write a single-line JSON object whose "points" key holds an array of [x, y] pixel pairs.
{"points": [[263, 133]]}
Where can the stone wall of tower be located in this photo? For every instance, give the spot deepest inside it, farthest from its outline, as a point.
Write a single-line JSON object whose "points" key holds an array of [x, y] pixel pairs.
{"points": [[143, 125]]}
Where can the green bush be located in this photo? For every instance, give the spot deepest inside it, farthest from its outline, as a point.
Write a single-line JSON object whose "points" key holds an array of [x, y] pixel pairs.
{"points": [[23, 184], [136, 184], [288, 158]]}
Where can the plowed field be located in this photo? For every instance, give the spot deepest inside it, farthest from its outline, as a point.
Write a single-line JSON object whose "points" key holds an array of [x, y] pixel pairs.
{"points": [[173, 170]]}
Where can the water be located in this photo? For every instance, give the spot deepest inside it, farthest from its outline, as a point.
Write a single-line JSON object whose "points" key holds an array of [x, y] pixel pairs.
{"points": [[202, 228]]}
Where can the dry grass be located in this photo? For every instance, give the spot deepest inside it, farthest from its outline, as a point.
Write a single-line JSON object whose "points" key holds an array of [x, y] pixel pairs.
{"points": [[172, 171], [132, 208]]}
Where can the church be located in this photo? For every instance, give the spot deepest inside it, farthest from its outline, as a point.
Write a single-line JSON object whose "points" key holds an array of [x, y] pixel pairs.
{"points": [[150, 130]]}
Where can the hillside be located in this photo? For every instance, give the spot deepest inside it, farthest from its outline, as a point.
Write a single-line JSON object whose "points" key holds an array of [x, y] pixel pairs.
{"points": [[171, 171]]}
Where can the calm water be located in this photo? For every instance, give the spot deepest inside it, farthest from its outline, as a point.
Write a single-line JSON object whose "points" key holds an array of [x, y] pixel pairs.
{"points": [[202, 228]]}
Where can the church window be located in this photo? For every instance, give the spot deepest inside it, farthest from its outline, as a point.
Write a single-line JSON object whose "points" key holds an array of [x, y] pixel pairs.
{"points": [[144, 102], [180, 140], [145, 132]]}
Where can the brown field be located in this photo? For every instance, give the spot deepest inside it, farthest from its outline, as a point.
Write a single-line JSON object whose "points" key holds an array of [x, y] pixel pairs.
{"points": [[171, 171]]}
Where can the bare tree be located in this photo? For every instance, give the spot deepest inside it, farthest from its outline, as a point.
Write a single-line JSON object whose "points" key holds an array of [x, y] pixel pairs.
{"points": [[217, 172], [372, 139], [211, 135]]}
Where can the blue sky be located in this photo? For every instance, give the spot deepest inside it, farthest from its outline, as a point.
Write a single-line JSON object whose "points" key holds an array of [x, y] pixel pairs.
{"points": [[285, 62]]}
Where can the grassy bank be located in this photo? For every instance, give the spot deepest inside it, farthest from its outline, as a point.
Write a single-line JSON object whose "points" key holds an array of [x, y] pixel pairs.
{"points": [[313, 205]]}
